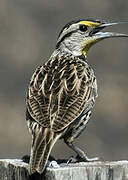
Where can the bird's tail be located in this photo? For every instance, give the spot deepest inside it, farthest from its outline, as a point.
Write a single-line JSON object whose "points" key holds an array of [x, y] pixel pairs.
{"points": [[42, 144]]}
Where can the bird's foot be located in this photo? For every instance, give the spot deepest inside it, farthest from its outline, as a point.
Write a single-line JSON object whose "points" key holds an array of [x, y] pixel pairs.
{"points": [[82, 158], [72, 159], [53, 164], [86, 159], [26, 158]]}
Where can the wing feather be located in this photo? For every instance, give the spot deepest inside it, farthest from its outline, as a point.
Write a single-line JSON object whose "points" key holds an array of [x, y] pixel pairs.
{"points": [[60, 90]]}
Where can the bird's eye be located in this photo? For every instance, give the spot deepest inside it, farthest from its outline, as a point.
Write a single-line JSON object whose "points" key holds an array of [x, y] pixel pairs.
{"points": [[83, 28]]}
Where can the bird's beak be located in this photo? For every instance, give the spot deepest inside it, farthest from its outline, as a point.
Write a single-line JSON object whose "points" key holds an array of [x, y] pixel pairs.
{"points": [[98, 35]]}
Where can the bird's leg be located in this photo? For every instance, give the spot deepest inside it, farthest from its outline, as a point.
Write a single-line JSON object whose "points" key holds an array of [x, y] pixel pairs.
{"points": [[81, 155]]}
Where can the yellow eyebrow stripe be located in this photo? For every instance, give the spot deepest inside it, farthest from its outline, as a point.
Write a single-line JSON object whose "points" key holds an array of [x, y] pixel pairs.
{"points": [[90, 23]]}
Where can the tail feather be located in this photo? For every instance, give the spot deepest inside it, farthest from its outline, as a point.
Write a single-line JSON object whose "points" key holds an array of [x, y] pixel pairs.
{"points": [[43, 142]]}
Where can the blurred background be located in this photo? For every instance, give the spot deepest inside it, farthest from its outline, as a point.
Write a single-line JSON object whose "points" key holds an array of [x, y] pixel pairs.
{"points": [[28, 33]]}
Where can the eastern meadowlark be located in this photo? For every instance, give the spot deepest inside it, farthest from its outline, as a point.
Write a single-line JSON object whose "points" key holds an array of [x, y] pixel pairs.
{"points": [[62, 92]]}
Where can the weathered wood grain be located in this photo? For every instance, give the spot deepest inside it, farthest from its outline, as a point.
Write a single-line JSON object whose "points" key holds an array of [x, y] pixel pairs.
{"points": [[14, 169]]}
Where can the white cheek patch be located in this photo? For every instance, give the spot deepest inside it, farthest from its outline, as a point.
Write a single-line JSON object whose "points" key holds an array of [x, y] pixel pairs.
{"points": [[73, 44]]}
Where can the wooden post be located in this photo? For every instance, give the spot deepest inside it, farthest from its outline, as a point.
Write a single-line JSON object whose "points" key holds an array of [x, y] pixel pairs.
{"points": [[13, 169]]}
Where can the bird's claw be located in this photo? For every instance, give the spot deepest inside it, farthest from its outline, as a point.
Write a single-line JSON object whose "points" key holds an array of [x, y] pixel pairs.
{"points": [[84, 158], [53, 164], [26, 158], [72, 159]]}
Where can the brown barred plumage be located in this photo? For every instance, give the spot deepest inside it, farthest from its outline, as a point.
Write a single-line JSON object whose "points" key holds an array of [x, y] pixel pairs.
{"points": [[59, 92], [62, 92]]}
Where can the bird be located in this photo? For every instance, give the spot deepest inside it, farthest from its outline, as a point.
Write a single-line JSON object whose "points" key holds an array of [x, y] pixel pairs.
{"points": [[62, 91]]}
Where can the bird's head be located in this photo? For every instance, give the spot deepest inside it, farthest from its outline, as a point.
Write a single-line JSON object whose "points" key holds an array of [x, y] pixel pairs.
{"points": [[77, 37]]}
